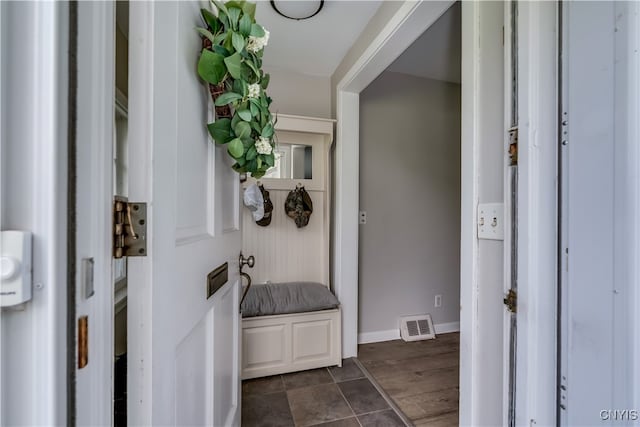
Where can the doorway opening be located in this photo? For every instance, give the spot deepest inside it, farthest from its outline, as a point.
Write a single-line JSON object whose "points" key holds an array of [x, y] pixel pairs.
{"points": [[120, 190], [409, 228]]}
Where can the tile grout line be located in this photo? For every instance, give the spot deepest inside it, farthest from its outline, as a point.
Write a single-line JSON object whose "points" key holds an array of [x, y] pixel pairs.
{"points": [[345, 399], [384, 394]]}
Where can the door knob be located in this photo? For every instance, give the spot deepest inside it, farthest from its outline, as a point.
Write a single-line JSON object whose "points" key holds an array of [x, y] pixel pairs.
{"points": [[249, 261]]}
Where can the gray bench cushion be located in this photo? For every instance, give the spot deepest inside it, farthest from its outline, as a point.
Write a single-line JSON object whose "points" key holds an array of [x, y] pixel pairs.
{"points": [[286, 298]]}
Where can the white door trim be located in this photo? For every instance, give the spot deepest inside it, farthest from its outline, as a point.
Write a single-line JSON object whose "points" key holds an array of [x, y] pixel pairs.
{"points": [[411, 20], [537, 213], [34, 93], [469, 138]]}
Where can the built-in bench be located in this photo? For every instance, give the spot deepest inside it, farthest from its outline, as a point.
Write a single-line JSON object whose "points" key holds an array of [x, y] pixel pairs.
{"points": [[289, 327]]}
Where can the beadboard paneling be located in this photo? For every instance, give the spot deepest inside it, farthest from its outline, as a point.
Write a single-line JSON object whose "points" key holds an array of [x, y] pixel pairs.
{"points": [[283, 252]]}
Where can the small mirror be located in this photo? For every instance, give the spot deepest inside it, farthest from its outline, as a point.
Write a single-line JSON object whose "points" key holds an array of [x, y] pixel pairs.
{"points": [[293, 161]]}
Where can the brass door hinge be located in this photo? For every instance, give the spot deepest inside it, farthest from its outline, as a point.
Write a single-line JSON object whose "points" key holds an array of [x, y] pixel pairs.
{"points": [[511, 301], [129, 228], [513, 146]]}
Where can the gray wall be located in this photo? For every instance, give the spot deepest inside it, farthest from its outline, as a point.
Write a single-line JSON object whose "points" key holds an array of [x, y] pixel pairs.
{"points": [[410, 188], [299, 94]]}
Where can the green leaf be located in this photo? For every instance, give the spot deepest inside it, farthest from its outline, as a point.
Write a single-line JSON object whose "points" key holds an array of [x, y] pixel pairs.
{"points": [[234, 122], [244, 25], [248, 142], [254, 110], [219, 39], [227, 98], [251, 65], [242, 130], [233, 65], [220, 130], [244, 115], [245, 88], [267, 132], [206, 33], [255, 126], [212, 20], [234, 16], [221, 50], [270, 160], [236, 149], [246, 73], [211, 67], [238, 41], [257, 30], [221, 7], [259, 159], [236, 4], [265, 81], [250, 10], [252, 153]]}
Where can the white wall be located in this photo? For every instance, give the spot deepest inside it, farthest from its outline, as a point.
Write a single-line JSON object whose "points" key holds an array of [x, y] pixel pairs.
{"points": [[299, 94], [410, 188]]}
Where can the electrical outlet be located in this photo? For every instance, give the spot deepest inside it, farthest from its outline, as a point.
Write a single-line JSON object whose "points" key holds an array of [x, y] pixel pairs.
{"points": [[362, 217], [438, 301]]}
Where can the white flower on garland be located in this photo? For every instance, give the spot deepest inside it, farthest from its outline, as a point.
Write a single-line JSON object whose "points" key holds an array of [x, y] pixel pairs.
{"points": [[256, 44], [254, 90], [263, 146]]}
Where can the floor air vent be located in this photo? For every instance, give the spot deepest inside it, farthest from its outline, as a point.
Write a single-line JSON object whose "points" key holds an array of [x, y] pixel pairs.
{"points": [[415, 328]]}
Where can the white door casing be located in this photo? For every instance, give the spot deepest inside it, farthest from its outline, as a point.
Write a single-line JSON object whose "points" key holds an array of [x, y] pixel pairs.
{"points": [[537, 213], [408, 23], [33, 194], [184, 349]]}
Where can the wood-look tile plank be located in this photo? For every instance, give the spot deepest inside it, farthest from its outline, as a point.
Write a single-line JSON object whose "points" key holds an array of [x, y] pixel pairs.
{"points": [[421, 377], [445, 420], [416, 364]]}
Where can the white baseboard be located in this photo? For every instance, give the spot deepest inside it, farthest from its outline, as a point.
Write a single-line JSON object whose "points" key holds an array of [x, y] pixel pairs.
{"points": [[394, 334], [445, 328], [379, 336]]}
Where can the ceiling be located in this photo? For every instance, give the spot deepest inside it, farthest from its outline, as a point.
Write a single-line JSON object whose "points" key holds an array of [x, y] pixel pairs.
{"points": [[317, 45], [436, 53]]}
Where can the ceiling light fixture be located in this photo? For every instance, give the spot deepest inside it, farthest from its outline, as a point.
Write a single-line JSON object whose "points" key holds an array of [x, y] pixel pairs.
{"points": [[297, 10]]}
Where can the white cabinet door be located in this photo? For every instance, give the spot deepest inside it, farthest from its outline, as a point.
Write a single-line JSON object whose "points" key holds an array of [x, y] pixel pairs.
{"points": [[183, 357]]}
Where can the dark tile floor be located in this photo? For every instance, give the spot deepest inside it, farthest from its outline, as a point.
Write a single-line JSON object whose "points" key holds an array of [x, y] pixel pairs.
{"points": [[336, 397]]}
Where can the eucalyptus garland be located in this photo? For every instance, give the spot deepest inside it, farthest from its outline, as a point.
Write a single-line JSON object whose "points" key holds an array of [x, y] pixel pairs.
{"points": [[231, 64]]}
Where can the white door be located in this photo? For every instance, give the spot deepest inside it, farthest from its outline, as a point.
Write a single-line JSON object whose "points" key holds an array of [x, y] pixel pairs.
{"points": [[183, 347], [599, 222], [183, 357], [94, 112]]}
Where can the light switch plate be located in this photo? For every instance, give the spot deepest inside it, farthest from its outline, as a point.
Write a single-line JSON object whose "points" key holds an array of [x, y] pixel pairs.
{"points": [[491, 221]]}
